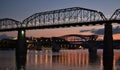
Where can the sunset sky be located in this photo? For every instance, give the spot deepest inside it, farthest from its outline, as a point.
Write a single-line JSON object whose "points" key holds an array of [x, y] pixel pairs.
{"points": [[21, 9]]}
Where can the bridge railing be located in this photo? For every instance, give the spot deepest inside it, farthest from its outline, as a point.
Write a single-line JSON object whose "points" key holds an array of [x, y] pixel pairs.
{"points": [[63, 16]]}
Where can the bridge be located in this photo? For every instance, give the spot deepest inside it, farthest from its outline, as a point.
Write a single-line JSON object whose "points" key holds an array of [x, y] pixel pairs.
{"points": [[75, 16], [57, 18], [77, 37], [71, 41]]}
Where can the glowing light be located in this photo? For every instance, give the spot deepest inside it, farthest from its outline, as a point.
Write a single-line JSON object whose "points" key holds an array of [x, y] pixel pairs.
{"points": [[81, 47], [23, 32], [15, 38]]}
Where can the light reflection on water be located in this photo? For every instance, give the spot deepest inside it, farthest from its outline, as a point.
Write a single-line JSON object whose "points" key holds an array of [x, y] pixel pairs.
{"points": [[64, 60], [67, 60]]}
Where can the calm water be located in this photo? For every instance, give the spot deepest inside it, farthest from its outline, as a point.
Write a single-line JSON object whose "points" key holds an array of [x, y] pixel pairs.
{"points": [[64, 60]]}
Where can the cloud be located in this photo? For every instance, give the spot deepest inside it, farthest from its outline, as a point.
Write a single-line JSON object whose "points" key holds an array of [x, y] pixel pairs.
{"points": [[116, 30], [4, 36], [85, 30], [98, 31]]}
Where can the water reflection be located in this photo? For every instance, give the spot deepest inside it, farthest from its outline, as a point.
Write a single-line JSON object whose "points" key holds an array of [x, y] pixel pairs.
{"points": [[93, 58], [68, 60], [20, 62], [7, 60], [116, 61], [64, 60], [71, 58]]}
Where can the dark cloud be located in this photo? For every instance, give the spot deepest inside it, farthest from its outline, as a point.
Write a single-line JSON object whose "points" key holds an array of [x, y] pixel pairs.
{"points": [[99, 31], [116, 30], [4, 36], [85, 30]]}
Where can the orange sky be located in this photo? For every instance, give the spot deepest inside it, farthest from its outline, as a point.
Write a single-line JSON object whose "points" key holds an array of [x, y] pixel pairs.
{"points": [[115, 37], [46, 33], [59, 32]]}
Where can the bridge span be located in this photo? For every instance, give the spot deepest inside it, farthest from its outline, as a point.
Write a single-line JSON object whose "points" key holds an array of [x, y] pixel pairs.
{"points": [[67, 17]]}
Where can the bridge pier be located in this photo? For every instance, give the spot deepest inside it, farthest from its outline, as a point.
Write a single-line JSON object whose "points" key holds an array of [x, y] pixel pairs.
{"points": [[108, 48], [54, 44], [55, 47], [92, 51], [21, 50]]}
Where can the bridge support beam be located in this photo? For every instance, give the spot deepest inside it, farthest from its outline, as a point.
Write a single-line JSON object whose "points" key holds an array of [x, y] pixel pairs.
{"points": [[108, 48], [21, 50]]}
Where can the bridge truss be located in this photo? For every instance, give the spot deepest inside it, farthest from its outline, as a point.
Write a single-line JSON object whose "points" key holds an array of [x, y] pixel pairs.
{"points": [[8, 23], [63, 16], [77, 37], [116, 15], [75, 16]]}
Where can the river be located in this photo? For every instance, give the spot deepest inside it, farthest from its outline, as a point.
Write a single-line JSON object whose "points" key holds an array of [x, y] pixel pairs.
{"points": [[64, 60]]}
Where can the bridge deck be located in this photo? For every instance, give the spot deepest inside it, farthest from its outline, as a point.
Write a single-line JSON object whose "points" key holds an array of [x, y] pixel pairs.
{"points": [[63, 25]]}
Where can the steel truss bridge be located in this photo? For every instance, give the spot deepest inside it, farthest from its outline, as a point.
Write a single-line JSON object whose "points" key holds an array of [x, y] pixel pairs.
{"points": [[74, 40], [67, 17], [77, 37]]}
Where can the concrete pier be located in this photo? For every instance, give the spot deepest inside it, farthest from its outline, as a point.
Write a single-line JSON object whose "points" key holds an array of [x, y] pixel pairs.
{"points": [[21, 50], [92, 51], [55, 47], [108, 48]]}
